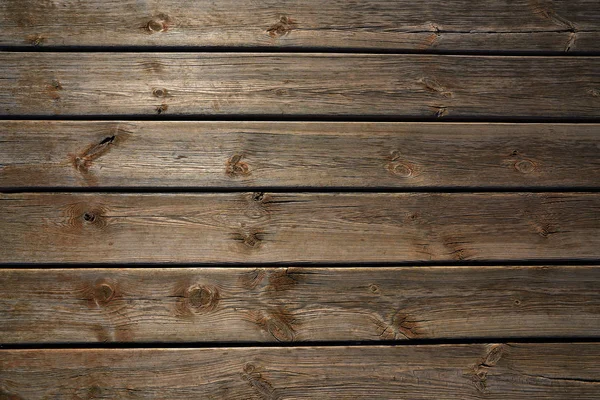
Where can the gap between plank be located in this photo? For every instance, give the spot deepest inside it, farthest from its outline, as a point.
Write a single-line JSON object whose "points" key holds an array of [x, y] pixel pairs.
{"points": [[293, 50], [373, 343]]}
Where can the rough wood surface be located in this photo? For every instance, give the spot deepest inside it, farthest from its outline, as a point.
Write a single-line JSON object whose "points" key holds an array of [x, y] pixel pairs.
{"points": [[288, 227], [296, 304], [478, 371], [302, 85], [297, 154], [452, 25]]}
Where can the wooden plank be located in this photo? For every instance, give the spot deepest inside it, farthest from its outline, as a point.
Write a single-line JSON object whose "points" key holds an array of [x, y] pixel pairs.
{"points": [[297, 154], [296, 304], [419, 86], [490, 371], [522, 25], [291, 227]]}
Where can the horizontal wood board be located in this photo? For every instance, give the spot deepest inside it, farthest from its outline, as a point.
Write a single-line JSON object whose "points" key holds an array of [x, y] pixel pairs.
{"points": [[477, 371], [427, 87], [125, 154], [291, 227], [221, 305], [454, 25]]}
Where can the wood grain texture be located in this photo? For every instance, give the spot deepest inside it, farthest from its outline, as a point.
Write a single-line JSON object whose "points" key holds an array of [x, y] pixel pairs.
{"points": [[290, 227], [454, 25], [297, 154], [302, 85], [186, 305], [479, 371]]}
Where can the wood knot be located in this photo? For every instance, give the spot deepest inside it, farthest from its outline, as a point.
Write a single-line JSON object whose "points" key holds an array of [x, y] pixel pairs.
{"points": [[594, 92], [83, 161], [103, 293], [399, 167], [479, 372], [546, 230], [236, 167], [161, 108], [283, 279], [250, 239], [82, 217], [434, 86], [203, 298], [282, 28], [439, 111], [94, 216], [160, 92], [36, 40], [89, 217], [56, 84], [278, 322], [405, 326], [252, 375], [258, 196], [160, 23], [373, 288], [525, 166]]}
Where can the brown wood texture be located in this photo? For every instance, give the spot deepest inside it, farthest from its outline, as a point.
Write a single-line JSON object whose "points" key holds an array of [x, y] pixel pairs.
{"points": [[290, 227], [190, 305], [301, 85], [477, 371], [297, 154], [452, 25]]}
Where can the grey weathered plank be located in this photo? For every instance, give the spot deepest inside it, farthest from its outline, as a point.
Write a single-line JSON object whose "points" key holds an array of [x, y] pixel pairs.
{"points": [[400, 86], [490, 371], [289, 227], [454, 25], [297, 154], [296, 304]]}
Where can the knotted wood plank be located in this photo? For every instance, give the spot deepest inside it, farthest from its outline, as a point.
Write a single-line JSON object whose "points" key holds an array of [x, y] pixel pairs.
{"points": [[123, 154], [299, 85], [491, 371], [294, 227], [454, 25], [188, 305]]}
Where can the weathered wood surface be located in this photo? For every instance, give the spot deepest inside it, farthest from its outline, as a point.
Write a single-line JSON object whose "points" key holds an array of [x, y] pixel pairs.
{"points": [[302, 85], [478, 371], [289, 227], [296, 304], [297, 154], [454, 25]]}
